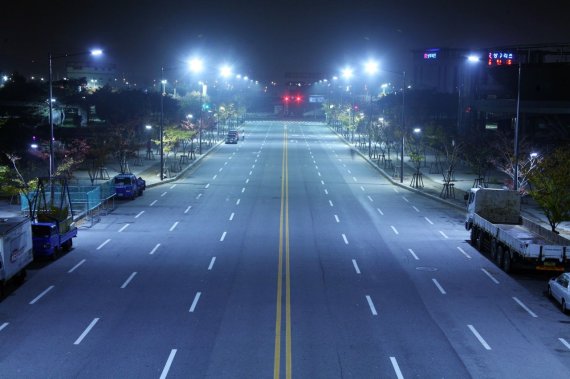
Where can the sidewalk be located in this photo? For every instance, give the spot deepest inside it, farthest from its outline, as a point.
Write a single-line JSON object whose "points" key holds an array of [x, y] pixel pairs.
{"points": [[432, 185], [148, 169]]}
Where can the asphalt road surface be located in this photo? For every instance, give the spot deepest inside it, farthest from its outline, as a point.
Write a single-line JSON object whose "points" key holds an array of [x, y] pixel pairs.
{"points": [[285, 255]]}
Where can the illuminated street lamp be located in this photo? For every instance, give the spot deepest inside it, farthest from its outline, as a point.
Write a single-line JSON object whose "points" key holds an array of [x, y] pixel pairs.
{"points": [[94, 53]]}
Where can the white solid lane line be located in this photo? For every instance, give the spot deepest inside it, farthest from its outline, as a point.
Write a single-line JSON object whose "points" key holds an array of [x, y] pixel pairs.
{"points": [[490, 276], [188, 209], [232, 216], [481, 340], [344, 238], [428, 220], [223, 237], [4, 325], [139, 214], [371, 305], [162, 194], [126, 283], [443, 234], [380, 211], [414, 254], [336, 218], [154, 249], [41, 295], [173, 226], [168, 364], [524, 307], [211, 263], [103, 244], [355, 266], [331, 203], [463, 252], [172, 186], [564, 342], [195, 302], [124, 227], [394, 229], [76, 266], [439, 287], [82, 336], [397, 370]]}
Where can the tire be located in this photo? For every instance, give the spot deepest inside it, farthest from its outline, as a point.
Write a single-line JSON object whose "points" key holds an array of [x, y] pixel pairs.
{"points": [[473, 235], [479, 242], [500, 256], [494, 248], [507, 262], [563, 306], [67, 245], [549, 291]]}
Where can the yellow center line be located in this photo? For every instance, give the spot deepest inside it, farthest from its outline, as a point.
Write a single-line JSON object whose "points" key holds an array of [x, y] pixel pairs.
{"points": [[283, 226]]}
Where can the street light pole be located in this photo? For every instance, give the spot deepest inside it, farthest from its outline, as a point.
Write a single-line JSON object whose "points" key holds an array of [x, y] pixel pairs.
{"points": [[516, 173], [403, 128], [161, 123], [50, 100]]}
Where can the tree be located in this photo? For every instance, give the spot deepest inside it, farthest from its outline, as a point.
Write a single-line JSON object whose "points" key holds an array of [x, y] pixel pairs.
{"points": [[505, 161], [551, 180], [12, 182]]}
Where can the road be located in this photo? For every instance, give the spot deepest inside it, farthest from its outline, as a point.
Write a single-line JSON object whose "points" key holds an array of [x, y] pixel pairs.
{"points": [[285, 255]]}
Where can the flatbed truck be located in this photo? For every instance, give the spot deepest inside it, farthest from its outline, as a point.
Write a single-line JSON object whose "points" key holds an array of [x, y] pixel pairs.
{"points": [[496, 225]]}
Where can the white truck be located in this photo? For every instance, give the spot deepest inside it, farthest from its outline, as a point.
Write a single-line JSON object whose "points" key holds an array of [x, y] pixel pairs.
{"points": [[15, 249], [493, 216]]}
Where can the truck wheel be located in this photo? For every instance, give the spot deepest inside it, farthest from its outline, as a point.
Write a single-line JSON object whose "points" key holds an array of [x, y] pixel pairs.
{"points": [[473, 235], [55, 254], [494, 248], [21, 277], [563, 306], [67, 245], [479, 243], [500, 256], [507, 263]]}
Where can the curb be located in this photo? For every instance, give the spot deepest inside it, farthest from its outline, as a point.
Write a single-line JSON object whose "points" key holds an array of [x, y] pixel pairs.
{"points": [[389, 177]]}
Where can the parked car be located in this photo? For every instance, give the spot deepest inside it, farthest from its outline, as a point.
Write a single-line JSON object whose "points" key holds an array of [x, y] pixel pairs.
{"points": [[127, 185], [559, 290]]}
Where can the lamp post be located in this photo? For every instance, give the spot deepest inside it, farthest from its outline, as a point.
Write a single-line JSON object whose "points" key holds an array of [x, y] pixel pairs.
{"points": [[94, 52], [403, 127], [371, 68], [516, 148], [161, 128]]}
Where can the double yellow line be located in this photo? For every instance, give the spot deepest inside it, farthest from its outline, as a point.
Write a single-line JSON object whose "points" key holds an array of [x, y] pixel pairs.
{"points": [[283, 245]]}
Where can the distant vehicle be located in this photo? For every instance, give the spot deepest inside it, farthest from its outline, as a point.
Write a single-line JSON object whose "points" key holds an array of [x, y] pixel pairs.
{"points": [[559, 290], [128, 186], [232, 137], [493, 216], [15, 249]]}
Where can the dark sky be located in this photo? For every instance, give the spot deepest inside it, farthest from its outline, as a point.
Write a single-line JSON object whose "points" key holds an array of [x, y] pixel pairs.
{"points": [[265, 39]]}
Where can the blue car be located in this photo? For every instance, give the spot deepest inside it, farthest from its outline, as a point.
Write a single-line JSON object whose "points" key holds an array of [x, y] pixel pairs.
{"points": [[128, 186]]}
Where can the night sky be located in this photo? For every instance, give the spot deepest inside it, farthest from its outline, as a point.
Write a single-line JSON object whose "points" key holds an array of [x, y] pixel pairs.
{"points": [[265, 39]]}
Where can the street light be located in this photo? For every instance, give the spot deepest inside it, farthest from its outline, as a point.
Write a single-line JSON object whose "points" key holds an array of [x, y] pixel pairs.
{"points": [[516, 173], [196, 65], [161, 129], [94, 52]]}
